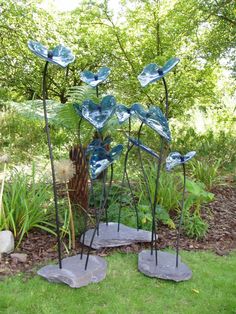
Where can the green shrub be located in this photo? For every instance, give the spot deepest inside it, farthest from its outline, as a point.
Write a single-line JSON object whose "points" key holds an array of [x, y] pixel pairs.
{"points": [[196, 196], [26, 204], [206, 171]]}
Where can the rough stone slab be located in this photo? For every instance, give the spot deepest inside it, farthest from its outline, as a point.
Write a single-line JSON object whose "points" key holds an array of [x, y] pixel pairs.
{"points": [[6, 242], [73, 273], [19, 257], [110, 237], [166, 268]]}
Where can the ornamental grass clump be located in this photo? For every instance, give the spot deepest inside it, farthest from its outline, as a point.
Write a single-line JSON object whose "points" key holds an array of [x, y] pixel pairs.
{"points": [[26, 203], [4, 159]]}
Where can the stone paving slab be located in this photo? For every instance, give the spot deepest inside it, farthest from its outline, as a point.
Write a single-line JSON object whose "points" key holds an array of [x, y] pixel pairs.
{"points": [[73, 273], [166, 267], [110, 237]]}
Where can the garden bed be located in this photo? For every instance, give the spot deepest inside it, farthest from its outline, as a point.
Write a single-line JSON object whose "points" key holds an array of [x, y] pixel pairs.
{"points": [[40, 247]]}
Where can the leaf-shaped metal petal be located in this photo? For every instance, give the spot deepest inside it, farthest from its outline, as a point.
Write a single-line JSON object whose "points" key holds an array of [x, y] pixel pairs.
{"points": [[123, 113], [101, 159], [154, 118], [98, 143], [92, 79], [60, 55], [98, 115], [143, 147], [175, 159], [153, 72]]}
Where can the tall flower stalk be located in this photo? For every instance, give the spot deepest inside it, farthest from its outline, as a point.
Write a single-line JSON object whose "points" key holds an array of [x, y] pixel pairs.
{"points": [[64, 171]]}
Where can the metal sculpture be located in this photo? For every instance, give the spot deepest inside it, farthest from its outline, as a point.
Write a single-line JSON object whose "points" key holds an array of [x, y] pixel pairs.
{"points": [[175, 159], [61, 56], [100, 159]]}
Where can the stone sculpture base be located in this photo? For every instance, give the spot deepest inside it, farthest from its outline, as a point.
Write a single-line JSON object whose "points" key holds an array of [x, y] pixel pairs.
{"points": [[110, 237], [166, 267], [73, 273]]}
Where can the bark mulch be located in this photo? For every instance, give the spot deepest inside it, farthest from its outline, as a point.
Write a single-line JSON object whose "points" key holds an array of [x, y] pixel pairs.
{"points": [[41, 247]]}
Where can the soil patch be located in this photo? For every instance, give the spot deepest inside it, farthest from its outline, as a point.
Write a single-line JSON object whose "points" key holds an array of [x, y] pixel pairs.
{"points": [[41, 247]]}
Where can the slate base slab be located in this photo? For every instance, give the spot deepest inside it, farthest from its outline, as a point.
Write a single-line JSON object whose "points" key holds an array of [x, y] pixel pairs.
{"points": [[110, 237], [73, 273], [165, 269]]}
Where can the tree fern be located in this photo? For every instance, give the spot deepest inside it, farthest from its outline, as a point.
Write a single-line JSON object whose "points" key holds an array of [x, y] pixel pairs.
{"points": [[67, 116]]}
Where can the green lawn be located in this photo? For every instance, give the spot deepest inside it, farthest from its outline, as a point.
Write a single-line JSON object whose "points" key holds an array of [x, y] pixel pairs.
{"points": [[211, 290]]}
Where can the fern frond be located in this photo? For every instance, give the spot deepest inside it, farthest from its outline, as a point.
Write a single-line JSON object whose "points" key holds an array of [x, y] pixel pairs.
{"points": [[79, 94], [33, 109]]}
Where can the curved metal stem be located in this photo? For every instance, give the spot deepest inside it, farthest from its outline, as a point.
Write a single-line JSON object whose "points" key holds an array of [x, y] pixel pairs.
{"points": [[158, 173], [91, 241], [181, 218], [107, 193], [125, 174], [52, 165], [142, 168], [79, 127], [156, 194], [98, 218], [83, 239], [166, 97]]}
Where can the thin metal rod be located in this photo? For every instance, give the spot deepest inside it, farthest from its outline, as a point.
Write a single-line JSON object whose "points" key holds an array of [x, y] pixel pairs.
{"points": [[142, 168], [91, 241], [86, 214], [97, 91], [107, 193], [156, 195], [103, 194], [158, 174], [166, 98], [79, 128], [83, 238], [98, 218], [181, 218], [123, 177], [52, 165], [133, 198]]}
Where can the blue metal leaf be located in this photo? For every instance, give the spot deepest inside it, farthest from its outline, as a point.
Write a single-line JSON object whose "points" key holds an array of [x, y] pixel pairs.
{"points": [[98, 143], [92, 79], [60, 55], [98, 115], [175, 159], [154, 118], [153, 72], [101, 159], [123, 113], [143, 147]]}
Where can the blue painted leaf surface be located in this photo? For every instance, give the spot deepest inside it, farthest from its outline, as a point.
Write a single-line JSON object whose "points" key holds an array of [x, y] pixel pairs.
{"points": [[175, 159], [123, 113], [153, 72], [154, 118], [93, 79], [98, 115], [98, 143], [101, 159], [60, 55], [143, 147]]}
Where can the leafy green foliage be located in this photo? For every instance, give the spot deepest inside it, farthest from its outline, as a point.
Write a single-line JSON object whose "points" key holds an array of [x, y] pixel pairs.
{"points": [[207, 173], [194, 225], [26, 204]]}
